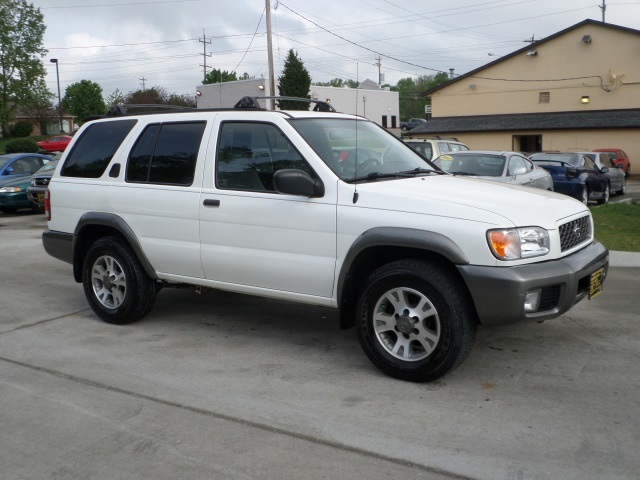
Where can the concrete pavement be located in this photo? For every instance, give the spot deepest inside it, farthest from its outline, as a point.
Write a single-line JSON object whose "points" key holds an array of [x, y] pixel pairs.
{"points": [[225, 386]]}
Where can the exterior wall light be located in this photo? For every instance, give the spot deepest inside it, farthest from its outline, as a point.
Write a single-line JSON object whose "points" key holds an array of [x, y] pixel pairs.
{"points": [[585, 99], [586, 39], [260, 87], [198, 93]]}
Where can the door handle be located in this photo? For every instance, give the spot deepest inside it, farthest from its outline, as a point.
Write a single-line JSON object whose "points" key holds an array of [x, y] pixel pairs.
{"points": [[211, 203]]}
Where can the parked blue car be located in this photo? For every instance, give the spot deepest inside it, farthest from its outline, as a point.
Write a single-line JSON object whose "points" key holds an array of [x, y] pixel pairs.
{"points": [[15, 164], [576, 175]]}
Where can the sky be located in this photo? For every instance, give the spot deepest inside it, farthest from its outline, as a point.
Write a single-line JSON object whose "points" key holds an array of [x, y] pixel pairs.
{"points": [[131, 44]]}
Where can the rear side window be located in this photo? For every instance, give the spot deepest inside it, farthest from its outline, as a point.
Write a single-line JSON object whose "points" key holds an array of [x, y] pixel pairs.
{"points": [[166, 154], [95, 148]]}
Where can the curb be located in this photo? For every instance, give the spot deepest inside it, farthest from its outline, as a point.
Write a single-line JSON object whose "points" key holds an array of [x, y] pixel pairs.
{"points": [[624, 259]]}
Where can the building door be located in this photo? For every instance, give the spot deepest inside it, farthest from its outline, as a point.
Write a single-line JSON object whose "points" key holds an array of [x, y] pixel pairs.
{"points": [[527, 143]]}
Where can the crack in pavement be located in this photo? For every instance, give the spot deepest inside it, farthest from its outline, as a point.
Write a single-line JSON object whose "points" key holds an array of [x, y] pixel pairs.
{"points": [[46, 320], [238, 420]]}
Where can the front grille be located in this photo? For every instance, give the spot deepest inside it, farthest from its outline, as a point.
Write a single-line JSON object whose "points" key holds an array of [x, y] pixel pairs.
{"points": [[575, 232]]}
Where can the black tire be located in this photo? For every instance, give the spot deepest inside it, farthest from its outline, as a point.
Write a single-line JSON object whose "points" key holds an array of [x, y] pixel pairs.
{"points": [[606, 195], [417, 345], [116, 286], [404, 129], [628, 171]]}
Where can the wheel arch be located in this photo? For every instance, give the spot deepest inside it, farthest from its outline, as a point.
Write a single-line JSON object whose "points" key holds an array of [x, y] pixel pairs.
{"points": [[382, 245], [95, 225]]}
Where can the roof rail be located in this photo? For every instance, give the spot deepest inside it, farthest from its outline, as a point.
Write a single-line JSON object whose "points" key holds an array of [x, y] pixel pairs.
{"points": [[129, 109], [252, 102]]}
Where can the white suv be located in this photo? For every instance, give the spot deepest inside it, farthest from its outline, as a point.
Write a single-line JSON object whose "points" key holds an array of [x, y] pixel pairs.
{"points": [[315, 207]]}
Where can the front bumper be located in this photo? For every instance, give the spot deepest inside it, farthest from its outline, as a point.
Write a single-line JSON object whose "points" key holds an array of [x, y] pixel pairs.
{"points": [[499, 292]]}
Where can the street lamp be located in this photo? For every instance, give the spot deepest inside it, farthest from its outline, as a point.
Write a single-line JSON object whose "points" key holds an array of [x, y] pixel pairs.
{"points": [[55, 60]]}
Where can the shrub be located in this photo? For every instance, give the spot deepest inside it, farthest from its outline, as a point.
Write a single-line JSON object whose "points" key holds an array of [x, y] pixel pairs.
{"points": [[23, 145], [21, 129]]}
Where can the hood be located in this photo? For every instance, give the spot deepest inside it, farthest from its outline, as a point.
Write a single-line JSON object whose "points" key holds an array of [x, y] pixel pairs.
{"points": [[22, 181], [467, 198]]}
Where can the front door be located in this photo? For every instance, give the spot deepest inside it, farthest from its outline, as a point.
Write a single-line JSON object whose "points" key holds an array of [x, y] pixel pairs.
{"points": [[252, 237]]}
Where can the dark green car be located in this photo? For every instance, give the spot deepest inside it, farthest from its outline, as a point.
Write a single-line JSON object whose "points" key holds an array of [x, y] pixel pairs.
{"points": [[13, 194]]}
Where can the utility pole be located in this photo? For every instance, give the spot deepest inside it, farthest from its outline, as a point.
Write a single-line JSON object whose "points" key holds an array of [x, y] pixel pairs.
{"points": [[144, 83], [272, 82], [204, 42], [379, 65], [603, 7]]}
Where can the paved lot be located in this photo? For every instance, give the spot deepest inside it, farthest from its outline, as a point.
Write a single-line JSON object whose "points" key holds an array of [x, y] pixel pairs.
{"points": [[224, 386]]}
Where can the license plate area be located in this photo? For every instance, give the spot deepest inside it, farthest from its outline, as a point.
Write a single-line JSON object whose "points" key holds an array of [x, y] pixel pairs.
{"points": [[595, 283]]}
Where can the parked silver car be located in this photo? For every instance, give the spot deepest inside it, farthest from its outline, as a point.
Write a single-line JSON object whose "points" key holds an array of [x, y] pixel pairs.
{"points": [[506, 167], [617, 182]]}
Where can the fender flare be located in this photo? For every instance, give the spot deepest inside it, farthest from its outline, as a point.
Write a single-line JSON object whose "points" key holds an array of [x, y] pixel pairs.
{"points": [[116, 223], [400, 237]]}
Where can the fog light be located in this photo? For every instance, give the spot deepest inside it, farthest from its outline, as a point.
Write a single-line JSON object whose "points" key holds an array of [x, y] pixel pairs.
{"points": [[532, 301]]}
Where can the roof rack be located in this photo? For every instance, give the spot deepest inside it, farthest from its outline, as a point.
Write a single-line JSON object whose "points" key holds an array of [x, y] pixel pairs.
{"points": [[252, 102], [244, 103]]}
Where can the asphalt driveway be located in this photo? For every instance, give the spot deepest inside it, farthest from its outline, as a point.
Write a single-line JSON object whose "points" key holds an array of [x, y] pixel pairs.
{"points": [[220, 385]]}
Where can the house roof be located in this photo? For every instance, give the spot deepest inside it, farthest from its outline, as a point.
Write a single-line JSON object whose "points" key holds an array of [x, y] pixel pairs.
{"points": [[599, 119], [530, 46]]}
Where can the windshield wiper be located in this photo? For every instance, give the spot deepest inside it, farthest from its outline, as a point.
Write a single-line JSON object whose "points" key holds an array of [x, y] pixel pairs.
{"points": [[405, 174], [462, 173]]}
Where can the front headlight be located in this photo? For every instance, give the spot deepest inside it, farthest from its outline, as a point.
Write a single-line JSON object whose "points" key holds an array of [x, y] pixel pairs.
{"points": [[518, 243], [10, 189]]}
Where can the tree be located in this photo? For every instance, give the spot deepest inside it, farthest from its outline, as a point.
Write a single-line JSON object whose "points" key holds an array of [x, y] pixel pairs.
{"points": [[22, 73], [218, 76], [295, 81], [115, 98], [338, 82], [84, 99], [159, 96], [411, 104]]}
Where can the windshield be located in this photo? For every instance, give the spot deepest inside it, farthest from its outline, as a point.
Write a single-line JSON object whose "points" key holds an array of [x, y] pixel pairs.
{"points": [[359, 149], [49, 166], [480, 164]]}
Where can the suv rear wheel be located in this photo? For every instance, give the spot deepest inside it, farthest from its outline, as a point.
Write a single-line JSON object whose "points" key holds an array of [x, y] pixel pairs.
{"points": [[115, 284], [416, 321]]}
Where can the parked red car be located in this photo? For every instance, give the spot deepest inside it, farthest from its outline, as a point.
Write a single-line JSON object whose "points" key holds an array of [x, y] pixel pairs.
{"points": [[55, 144], [618, 156]]}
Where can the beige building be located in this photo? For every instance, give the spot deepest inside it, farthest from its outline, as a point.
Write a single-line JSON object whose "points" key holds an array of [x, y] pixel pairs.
{"points": [[576, 89]]}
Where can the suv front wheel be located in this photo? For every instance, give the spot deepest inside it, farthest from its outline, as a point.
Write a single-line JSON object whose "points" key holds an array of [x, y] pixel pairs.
{"points": [[115, 284], [416, 321]]}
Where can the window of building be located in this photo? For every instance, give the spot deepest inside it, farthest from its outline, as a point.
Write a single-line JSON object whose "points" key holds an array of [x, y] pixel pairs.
{"points": [[545, 97]]}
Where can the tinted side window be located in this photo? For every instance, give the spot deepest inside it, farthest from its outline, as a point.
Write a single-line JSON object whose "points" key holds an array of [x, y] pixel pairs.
{"points": [[94, 149], [250, 153], [166, 154]]}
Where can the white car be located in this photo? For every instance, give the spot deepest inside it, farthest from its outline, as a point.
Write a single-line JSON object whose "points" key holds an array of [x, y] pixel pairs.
{"points": [[315, 207], [499, 166]]}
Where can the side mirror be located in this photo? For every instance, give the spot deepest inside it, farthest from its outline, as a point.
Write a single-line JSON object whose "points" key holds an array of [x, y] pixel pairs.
{"points": [[604, 169], [9, 170], [297, 182], [519, 171], [618, 165]]}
